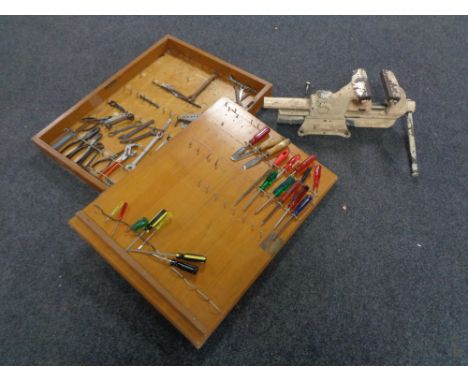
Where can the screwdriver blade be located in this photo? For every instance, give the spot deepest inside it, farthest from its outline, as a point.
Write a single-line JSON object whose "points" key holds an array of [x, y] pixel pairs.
{"points": [[271, 213], [264, 204], [238, 153], [253, 162]]}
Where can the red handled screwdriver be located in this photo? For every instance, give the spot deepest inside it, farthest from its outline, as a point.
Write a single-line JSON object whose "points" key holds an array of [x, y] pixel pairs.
{"points": [[317, 173], [293, 203], [300, 207], [252, 142], [282, 200]]}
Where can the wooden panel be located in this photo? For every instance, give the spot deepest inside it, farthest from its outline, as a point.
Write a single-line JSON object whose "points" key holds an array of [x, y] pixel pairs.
{"points": [[194, 179], [169, 60]]}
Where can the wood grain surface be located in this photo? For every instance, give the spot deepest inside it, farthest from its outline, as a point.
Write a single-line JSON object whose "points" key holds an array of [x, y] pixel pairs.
{"points": [[170, 60], [194, 179]]}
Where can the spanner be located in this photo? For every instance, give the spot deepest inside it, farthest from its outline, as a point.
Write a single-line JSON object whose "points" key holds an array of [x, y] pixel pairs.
{"points": [[127, 153], [132, 166]]}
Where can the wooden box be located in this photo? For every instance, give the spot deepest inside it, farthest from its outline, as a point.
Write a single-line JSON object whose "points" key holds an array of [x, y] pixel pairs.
{"points": [[195, 179], [170, 60]]}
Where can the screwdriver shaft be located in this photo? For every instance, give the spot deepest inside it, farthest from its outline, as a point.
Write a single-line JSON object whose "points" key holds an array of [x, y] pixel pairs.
{"points": [[281, 218], [263, 176], [272, 212], [264, 204], [252, 199]]}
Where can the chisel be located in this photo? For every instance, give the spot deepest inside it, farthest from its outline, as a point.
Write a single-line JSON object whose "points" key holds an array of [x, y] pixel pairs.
{"points": [[251, 143], [260, 148], [278, 147], [317, 173]]}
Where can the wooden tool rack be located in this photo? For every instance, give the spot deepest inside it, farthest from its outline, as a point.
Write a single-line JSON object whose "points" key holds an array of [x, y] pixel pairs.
{"points": [[195, 179], [170, 60]]}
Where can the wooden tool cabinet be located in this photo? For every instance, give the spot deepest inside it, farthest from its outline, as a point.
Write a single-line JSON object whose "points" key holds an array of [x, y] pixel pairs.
{"points": [[192, 177], [195, 179], [169, 60]]}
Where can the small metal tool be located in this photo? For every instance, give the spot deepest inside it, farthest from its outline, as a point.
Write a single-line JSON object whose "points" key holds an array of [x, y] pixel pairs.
{"points": [[266, 184], [298, 209], [70, 134], [307, 88], [152, 132], [256, 150], [127, 153], [110, 122], [192, 97], [113, 133], [94, 147], [80, 142], [149, 101], [241, 90], [278, 147], [161, 145], [132, 166], [186, 119], [412, 144], [164, 257], [136, 130], [110, 158], [117, 106], [262, 134]]}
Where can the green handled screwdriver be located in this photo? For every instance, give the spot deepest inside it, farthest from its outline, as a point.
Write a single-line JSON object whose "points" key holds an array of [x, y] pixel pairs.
{"points": [[266, 183], [267, 153], [146, 225], [158, 224], [278, 161], [283, 187]]}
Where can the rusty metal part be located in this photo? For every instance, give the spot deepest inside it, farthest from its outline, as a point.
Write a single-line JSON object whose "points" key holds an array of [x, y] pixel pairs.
{"points": [[328, 113]]}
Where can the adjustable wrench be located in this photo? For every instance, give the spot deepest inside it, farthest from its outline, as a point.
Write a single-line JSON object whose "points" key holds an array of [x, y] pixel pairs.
{"points": [[132, 166], [127, 153]]}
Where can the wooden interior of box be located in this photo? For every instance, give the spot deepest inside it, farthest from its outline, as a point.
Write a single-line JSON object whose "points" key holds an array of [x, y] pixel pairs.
{"points": [[194, 179], [171, 61]]}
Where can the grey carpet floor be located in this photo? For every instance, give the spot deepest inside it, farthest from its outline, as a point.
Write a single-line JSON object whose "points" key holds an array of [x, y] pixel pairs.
{"points": [[384, 282]]}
